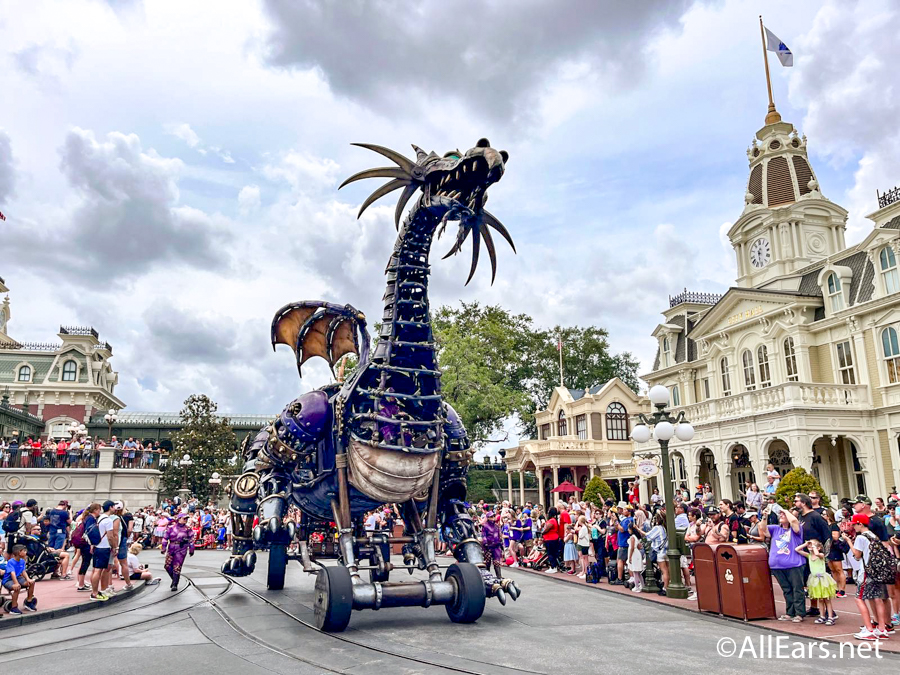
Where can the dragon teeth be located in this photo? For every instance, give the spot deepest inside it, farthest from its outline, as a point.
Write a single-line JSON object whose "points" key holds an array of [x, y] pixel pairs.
{"points": [[457, 175]]}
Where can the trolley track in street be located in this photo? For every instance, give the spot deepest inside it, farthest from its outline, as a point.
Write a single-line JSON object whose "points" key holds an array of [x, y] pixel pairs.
{"points": [[347, 640]]}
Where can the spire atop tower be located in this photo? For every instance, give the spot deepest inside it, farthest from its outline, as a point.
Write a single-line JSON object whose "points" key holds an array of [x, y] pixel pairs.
{"points": [[772, 116]]}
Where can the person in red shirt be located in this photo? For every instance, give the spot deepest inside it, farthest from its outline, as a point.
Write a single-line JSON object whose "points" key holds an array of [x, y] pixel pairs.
{"points": [[61, 449], [552, 540]]}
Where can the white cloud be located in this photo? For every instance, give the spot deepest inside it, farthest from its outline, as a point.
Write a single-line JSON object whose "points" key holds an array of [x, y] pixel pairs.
{"points": [[184, 132], [7, 170], [248, 199], [302, 171]]}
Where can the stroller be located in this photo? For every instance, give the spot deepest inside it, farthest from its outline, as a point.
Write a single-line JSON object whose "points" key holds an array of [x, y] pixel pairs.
{"points": [[41, 561]]}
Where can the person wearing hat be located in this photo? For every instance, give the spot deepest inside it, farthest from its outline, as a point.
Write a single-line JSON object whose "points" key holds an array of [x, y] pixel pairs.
{"points": [[716, 529], [872, 598], [178, 542], [862, 504], [101, 577], [787, 564]]}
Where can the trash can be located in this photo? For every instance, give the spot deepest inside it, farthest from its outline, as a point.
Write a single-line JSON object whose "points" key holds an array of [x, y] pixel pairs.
{"points": [[707, 578], [745, 582]]}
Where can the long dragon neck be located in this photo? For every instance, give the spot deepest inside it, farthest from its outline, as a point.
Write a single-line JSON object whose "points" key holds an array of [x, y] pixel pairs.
{"points": [[406, 341]]}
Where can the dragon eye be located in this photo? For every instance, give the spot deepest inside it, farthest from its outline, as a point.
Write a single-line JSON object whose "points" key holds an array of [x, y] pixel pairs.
{"points": [[451, 155]]}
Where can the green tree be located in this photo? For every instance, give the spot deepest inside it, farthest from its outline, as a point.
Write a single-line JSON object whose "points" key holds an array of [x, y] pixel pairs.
{"points": [[482, 353], [208, 439], [597, 491], [794, 481]]}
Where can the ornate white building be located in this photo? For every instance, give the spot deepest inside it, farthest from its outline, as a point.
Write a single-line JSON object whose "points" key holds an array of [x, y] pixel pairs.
{"points": [[798, 363]]}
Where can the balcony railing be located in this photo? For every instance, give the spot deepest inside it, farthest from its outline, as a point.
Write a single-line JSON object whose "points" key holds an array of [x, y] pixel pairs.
{"points": [[31, 346], [79, 330], [888, 197], [694, 298], [779, 397]]}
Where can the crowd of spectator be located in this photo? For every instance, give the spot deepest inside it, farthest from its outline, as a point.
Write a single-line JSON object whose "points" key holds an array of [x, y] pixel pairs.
{"points": [[79, 453], [99, 544], [814, 551]]}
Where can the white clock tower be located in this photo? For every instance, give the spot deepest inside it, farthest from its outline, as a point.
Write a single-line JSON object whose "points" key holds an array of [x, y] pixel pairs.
{"points": [[787, 223]]}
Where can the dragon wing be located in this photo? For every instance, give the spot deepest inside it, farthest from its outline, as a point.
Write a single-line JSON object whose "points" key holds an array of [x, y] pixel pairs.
{"points": [[315, 328]]}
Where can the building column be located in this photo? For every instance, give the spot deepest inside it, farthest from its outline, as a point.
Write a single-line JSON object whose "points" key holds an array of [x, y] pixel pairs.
{"points": [[622, 497], [509, 486], [521, 488], [539, 474], [591, 470], [803, 365]]}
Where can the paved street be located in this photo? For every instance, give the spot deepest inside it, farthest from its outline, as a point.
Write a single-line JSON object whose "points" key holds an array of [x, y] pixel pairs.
{"points": [[214, 626]]}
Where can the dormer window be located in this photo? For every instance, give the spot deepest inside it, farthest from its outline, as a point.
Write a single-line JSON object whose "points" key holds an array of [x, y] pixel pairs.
{"points": [[835, 294], [891, 354], [562, 429], [69, 371], [667, 353], [889, 270], [24, 374]]}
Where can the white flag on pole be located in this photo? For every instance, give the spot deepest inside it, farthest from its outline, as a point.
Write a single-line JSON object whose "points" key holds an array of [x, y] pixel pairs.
{"points": [[774, 44]]}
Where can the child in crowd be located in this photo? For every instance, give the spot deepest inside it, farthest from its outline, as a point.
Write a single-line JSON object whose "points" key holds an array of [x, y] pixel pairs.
{"points": [[221, 536], [820, 585], [570, 552], [584, 545], [16, 577], [635, 558], [136, 571]]}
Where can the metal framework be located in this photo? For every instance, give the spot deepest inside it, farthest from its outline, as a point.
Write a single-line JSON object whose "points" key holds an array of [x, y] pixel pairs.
{"points": [[385, 436]]}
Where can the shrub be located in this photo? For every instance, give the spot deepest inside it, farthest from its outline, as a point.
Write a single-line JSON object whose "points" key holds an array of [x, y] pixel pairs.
{"points": [[597, 491], [797, 480]]}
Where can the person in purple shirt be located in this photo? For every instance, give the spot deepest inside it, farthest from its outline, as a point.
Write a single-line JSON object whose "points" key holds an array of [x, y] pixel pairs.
{"points": [[786, 564]]}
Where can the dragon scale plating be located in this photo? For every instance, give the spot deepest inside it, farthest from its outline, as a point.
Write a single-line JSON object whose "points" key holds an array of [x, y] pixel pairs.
{"points": [[385, 436]]}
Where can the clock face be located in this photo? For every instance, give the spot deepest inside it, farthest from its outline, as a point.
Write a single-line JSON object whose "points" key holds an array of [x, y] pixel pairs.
{"points": [[760, 253]]}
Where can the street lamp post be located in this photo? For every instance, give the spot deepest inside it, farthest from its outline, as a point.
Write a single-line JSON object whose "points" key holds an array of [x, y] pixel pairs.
{"points": [[214, 484], [664, 428], [185, 463], [111, 418]]}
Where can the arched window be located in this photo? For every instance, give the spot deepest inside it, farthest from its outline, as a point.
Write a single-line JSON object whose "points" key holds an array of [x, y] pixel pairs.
{"points": [[667, 353], [25, 374], [726, 376], [561, 427], [889, 270], [676, 396], [762, 357], [835, 294], [891, 354], [616, 422], [70, 370], [749, 372], [790, 360]]}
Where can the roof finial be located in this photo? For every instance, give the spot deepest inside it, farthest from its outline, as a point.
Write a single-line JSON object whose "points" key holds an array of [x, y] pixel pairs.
{"points": [[772, 116]]}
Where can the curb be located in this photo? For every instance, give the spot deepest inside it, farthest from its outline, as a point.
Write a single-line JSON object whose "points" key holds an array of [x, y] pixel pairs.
{"points": [[12, 621], [695, 612]]}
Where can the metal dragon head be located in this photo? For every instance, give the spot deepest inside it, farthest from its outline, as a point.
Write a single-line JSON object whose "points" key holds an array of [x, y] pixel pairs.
{"points": [[455, 184]]}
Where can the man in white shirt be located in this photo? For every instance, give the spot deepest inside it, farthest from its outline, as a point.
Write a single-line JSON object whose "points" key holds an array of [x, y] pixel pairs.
{"points": [[101, 576], [871, 596]]}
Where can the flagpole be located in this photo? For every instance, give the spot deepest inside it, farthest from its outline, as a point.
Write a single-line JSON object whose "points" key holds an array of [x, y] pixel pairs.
{"points": [[559, 338], [772, 116]]}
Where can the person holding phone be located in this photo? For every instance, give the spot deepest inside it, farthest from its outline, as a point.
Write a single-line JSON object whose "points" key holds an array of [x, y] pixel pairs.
{"points": [[786, 563]]}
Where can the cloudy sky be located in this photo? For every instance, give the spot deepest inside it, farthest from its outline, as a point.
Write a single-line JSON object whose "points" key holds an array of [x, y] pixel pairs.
{"points": [[169, 170]]}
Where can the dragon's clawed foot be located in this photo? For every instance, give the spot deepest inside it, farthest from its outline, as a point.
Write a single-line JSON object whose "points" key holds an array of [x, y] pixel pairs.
{"points": [[240, 565], [274, 532], [496, 587]]}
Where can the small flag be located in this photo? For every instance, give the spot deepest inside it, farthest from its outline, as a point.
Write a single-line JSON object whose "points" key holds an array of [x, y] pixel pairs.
{"points": [[774, 44], [2, 217], [559, 344]]}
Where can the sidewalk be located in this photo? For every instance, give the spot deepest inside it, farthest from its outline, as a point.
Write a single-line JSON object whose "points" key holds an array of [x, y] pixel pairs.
{"points": [[59, 598], [848, 617]]}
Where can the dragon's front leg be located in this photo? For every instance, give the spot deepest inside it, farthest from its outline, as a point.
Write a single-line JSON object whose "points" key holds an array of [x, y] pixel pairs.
{"points": [[457, 525]]}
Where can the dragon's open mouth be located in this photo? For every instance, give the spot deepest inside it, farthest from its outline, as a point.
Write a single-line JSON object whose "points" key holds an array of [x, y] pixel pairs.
{"points": [[467, 183]]}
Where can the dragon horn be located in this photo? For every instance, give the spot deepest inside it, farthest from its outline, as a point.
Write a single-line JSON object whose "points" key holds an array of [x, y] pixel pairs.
{"points": [[476, 245], [390, 186], [403, 162], [497, 225], [457, 245], [420, 153], [381, 172], [492, 253], [408, 192]]}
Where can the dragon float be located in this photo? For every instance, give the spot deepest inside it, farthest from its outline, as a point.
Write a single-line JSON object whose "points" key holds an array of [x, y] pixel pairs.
{"points": [[385, 435]]}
